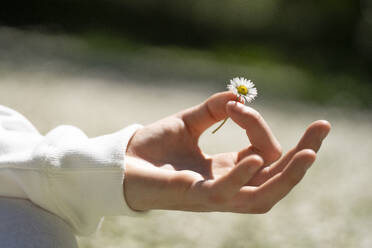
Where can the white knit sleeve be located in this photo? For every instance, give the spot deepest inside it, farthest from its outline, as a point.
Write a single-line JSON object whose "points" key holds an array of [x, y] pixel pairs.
{"points": [[82, 177], [79, 179]]}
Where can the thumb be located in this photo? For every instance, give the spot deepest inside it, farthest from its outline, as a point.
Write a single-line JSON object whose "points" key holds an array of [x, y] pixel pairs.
{"points": [[204, 115]]}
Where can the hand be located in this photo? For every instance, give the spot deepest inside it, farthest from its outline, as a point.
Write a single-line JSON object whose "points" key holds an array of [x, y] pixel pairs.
{"points": [[166, 169]]}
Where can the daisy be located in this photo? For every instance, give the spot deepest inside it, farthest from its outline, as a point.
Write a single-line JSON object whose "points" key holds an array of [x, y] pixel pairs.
{"points": [[243, 89]]}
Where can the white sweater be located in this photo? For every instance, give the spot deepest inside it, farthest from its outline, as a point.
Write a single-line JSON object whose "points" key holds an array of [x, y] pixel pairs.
{"points": [[79, 179]]}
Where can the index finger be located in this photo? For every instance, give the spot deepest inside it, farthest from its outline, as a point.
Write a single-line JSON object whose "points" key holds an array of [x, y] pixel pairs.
{"points": [[259, 133]]}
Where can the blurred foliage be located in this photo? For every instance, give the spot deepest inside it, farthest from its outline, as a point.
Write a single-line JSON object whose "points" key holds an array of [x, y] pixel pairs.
{"points": [[318, 50], [198, 21], [282, 75]]}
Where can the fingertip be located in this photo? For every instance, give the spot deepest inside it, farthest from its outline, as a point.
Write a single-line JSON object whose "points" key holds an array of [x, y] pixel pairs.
{"points": [[322, 125], [306, 156], [251, 163], [218, 102], [308, 153], [314, 135], [256, 159], [326, 127], [234, 106], [253, 160], [220, 99]]}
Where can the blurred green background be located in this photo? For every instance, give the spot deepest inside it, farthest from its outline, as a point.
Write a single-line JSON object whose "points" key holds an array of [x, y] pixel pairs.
{"points": [[102, 65], [316, 51]]}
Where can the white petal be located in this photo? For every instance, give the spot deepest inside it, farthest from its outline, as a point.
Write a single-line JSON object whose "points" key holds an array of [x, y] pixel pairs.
{"points": [[238, 81], [253, 91], [232, 88]]}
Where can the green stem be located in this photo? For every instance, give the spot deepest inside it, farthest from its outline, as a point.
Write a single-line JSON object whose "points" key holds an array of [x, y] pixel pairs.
{"points": [[220, 125]]}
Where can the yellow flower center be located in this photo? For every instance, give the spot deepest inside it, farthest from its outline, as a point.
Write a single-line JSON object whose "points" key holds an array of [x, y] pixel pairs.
{"points": [[242, 90]]}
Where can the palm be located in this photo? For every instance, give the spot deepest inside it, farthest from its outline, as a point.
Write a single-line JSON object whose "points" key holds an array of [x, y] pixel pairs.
{"points": [[179, 150]]}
